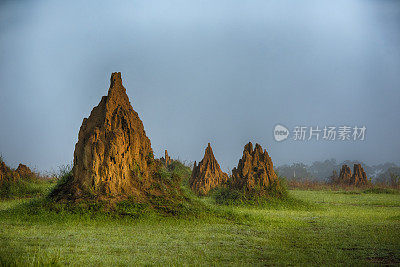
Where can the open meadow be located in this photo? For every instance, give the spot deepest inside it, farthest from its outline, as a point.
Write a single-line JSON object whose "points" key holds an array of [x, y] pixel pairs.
{"points": [[311, 227], [200, 133]]}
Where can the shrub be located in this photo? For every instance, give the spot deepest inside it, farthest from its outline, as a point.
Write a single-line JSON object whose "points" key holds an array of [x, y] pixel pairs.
{"points": [[257, 196], [64, 176]]}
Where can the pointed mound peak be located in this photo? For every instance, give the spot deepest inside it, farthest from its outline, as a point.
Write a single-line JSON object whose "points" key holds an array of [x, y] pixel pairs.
{"points": [[248, 147], [117, 93], [116, 80], [207, 174], [258, 148], [255, 169], [209, 153]]}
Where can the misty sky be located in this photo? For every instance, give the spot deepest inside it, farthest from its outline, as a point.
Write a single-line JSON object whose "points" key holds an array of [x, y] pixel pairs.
{"points": [[224, 72]]}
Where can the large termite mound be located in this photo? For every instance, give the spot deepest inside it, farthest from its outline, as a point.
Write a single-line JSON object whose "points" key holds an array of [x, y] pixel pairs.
{"points": [[255, 172], [359, 177], [207, 174], [113, 158], [345, 175]]}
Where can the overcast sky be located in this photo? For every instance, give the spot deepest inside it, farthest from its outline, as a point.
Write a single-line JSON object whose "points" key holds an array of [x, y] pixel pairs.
{"points": [[224, 72]]}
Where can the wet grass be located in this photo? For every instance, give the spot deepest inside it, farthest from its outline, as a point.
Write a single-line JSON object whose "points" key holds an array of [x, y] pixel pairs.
{"points": [[330, 228]]}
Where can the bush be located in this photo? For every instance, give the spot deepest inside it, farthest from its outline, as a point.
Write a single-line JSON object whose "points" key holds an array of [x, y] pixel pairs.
{"points": [[258, 196], [178, 200], [64, 176]]}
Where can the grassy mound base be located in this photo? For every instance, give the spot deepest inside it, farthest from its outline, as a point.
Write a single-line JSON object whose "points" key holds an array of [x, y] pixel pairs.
{"points": [[229, 197], [174, 200]]}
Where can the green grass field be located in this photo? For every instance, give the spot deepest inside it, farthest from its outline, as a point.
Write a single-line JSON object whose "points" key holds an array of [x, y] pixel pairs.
{"points": [[317, 227]]}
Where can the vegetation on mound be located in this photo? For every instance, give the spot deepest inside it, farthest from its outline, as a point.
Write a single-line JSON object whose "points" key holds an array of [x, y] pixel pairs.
{"points": [[275, 195], [171, 178], [190, 206], [232, 198]]}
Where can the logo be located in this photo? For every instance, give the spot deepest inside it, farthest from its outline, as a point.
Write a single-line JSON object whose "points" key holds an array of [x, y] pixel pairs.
{"points": [[280, 133]]}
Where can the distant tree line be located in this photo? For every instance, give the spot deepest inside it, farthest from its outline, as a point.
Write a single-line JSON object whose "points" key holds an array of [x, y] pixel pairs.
{"points": [[387, 173]]}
